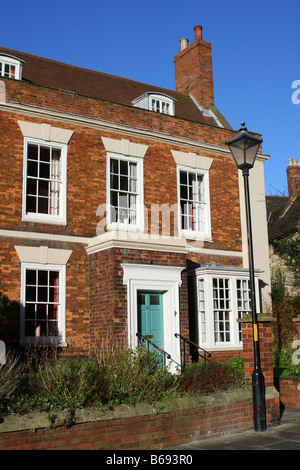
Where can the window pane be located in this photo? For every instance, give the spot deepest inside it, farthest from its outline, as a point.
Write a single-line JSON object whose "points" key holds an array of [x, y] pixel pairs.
{"points": [[41, 313], [43, 205], [114, 182], [154, 299], [123, 167], [45, 154], [33, 151], [30, 204], [30, 276], [30, 312], [32, 168], [114, 166]]}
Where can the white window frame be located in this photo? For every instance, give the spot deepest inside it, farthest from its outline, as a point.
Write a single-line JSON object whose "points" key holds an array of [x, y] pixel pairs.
{"points": [[145, 102], [111, 224], [60, 339], [204, 234], [205, 306], [11, 62], [61, 218], [161, 104]]}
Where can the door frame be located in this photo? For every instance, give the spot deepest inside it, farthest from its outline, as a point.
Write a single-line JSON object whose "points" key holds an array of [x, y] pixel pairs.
{"points": [[165, 279]]}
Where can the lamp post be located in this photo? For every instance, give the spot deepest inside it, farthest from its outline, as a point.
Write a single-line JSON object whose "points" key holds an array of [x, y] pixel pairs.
{"points": [[244, 148]]}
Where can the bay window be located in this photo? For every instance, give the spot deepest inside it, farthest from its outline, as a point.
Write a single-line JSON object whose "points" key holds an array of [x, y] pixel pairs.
{"points": [[223, 297]]}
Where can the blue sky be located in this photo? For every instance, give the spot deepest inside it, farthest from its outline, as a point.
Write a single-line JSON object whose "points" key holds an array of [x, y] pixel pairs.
{"points": [[256, 48]]}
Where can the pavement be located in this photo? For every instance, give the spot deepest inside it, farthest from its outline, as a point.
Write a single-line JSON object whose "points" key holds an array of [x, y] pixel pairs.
{"points": [[285, 436]]}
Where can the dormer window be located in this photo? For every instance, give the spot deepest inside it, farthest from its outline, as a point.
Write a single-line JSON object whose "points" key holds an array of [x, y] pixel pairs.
{"points": [[10, 67], [158, 102]]}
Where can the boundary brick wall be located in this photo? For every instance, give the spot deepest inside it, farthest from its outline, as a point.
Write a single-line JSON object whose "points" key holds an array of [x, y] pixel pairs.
{"points": [[143, 427], [289, 390]]}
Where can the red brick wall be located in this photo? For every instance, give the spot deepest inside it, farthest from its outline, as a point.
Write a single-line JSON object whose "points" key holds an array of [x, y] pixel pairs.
{"points": [[108, 294], [77, 293], [86, 190], [148, 432], [289, 390], [266, 355], [86, 183]]}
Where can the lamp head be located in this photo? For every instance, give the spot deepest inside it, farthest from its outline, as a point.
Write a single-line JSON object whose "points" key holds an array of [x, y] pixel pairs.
{"points": [[244, 148]]}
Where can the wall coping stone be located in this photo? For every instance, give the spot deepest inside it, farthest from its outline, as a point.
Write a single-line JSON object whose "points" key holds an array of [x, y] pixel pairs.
{"points": [[36, 420], [261, 317]]}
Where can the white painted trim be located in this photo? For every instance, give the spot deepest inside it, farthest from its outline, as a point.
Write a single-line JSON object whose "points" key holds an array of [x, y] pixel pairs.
{"points": [[122, 239], [124, 147], [192, 160], [165, 279], [43, 255], [44, 236], [135, 241], [45, 132]]}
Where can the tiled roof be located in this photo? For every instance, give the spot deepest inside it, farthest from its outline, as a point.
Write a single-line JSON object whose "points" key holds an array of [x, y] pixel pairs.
{"points": [[49, 73], [285, 219]]}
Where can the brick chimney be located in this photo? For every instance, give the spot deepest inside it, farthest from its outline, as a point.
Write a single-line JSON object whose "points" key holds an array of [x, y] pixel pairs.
{"points": [[193, 70], [293, 178]]}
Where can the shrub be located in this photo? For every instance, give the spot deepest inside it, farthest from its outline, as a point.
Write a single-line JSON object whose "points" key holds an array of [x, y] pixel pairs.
{"points": [[119, 376], [131, 376], [11, 374], [70, 383], [211, 376], [284, 329]]}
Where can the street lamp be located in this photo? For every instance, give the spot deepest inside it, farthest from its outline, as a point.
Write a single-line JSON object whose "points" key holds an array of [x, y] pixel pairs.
{"points": [[244, 148]]}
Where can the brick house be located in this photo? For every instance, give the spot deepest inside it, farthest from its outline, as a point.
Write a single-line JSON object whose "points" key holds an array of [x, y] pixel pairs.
{"points": [[122, 210]]}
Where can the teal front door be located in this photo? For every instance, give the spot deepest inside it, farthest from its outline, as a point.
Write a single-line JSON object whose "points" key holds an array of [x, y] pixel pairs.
{"points": [[150, 317]]}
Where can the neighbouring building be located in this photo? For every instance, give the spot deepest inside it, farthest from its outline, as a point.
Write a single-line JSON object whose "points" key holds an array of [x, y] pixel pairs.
{"points": [[122, 210], [283, 214]]}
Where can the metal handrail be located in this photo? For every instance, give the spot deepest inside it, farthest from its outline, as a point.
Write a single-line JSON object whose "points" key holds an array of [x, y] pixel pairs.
{"points": [[206, 353], [165, 353]]}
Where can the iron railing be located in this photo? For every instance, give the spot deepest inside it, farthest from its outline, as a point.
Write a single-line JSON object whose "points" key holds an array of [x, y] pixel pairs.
{"points": [[205, 355], [149, 343]]}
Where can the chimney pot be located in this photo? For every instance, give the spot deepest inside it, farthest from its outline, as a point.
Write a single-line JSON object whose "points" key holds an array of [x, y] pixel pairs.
{"points": [[293, 178], [198, 32], [183, 44]]}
